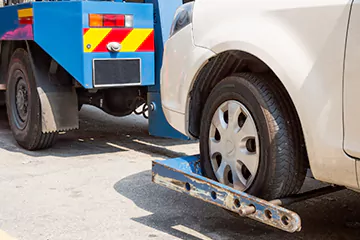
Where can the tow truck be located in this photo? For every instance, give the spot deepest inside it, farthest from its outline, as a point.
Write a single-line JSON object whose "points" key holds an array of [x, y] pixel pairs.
{"points": [[56, 56]]}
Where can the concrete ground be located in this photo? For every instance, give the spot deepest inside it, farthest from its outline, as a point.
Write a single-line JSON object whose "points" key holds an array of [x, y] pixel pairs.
{"points": [[96, 184]]}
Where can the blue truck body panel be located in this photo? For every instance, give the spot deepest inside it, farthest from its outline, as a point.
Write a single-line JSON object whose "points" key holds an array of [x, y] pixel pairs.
{"points": [[164, 11], [10, 29], [147, 64], [58, 29], [143, 18]]}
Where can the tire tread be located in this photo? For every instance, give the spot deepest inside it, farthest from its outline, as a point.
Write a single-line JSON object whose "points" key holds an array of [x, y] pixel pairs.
{"points": [[34, 138], [290, 168]]}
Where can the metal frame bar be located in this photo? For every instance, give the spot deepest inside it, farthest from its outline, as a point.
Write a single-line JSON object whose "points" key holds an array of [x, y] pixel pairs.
{"points": [[184, 175]]}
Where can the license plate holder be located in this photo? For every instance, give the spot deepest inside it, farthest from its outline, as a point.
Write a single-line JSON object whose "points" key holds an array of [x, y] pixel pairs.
{"points": [[116, 72]]}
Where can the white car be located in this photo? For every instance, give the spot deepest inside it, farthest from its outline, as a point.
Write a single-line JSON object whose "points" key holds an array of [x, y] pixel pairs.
{"points": [[271, 88]]}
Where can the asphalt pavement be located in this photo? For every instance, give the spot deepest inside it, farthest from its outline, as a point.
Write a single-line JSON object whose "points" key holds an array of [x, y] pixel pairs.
{"points": [[95, 184]]}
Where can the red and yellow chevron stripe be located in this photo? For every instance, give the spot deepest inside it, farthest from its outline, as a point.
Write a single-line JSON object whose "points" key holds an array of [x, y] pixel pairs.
{"points": [[131, 40], [25, 16]]}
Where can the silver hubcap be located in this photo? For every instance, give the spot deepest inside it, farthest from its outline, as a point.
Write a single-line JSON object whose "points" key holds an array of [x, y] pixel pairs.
{"points": [[234, 145]]}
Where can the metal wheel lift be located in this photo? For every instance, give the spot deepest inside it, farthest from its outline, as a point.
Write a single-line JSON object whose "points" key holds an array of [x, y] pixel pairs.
{"points": [[184, 175]]}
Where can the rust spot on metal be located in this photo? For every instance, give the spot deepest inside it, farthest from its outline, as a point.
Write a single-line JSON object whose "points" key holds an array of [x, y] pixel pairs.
{"points": [[178, 183], [201, 188]]}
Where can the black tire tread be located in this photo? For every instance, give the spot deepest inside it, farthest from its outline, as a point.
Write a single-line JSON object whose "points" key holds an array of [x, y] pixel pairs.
{"points": [[46, 140], [37, 140], [290, 167]]}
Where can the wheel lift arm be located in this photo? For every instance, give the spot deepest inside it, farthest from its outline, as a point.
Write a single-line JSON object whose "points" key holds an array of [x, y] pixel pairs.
{"points": [[184, 175]]}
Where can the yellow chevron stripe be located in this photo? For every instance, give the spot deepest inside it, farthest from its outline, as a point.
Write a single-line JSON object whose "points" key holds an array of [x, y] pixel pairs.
{"points": [[93, 37], [133, 41], [27, 12]]}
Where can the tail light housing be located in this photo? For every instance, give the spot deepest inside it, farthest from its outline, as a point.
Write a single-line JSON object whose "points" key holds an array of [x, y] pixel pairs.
{"points": [[111, 20]]}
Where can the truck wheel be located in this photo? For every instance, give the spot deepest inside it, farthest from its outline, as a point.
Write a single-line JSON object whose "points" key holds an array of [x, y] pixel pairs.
{"points": [[250, 138], [23, 104]]}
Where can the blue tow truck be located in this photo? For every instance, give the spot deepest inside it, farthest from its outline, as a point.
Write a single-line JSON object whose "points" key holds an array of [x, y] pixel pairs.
{"points": [[56, 56]]}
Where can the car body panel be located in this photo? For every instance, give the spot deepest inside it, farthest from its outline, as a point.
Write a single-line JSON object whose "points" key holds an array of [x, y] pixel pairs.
{"points": [[352, 85], [177, 76], [303, 42]]}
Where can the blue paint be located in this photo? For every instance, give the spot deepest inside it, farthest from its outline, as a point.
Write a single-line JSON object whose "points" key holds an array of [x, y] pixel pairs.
{"points": [[164, 11], [179, 174], [158, 125], [143, 13], [58, 31], [10, 29], [163, 170], [187, 165], [58, 28], [147, 64]]}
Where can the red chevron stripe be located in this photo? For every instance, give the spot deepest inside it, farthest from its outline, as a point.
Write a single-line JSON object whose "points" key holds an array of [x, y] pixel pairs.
{"points": [[85, 30], [148, 44], [115, 35]]}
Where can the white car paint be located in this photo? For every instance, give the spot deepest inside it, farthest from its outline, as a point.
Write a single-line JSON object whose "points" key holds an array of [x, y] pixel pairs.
{"points": [[304, 43]]}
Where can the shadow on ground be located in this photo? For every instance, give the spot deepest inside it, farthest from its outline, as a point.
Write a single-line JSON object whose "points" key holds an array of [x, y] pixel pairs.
{"points": [[334, 216], [98, 133]]}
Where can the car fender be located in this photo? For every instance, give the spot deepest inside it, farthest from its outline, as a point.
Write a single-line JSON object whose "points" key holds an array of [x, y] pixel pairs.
{"points": [[309, 63]]}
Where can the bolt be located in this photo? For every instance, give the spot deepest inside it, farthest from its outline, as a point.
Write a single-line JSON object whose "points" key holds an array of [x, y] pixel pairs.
{"points": [[88, 46], [245, 211], [152, 107]]}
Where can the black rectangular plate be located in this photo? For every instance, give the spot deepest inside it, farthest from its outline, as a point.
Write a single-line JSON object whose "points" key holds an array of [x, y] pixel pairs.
{"points": [[117, 72]]}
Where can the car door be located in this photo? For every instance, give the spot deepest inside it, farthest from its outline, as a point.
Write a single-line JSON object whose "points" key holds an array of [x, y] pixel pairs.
{"points": [[351, 86]]}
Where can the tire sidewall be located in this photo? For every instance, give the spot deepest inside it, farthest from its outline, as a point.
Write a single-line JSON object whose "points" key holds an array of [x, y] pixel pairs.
{"points": [[239, 89], [25, 137]]}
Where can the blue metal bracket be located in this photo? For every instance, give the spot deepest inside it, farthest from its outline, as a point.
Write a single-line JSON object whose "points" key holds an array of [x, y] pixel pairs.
{"points": [[184, 175], [164, 11]]}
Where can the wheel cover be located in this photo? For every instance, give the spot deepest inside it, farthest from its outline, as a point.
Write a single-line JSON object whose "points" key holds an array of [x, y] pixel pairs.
{"points": [[234, 148], [20, 101]]}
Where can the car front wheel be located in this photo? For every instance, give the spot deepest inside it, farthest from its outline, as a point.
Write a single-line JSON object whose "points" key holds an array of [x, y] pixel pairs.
{"points": [[250, 137]]}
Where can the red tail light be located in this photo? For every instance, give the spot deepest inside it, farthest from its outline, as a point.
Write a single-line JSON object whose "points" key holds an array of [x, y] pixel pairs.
{"points": [[111, 20]]}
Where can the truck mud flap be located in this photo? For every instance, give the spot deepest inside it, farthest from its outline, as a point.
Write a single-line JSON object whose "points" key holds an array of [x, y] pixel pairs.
{"points": [[59, 104]]}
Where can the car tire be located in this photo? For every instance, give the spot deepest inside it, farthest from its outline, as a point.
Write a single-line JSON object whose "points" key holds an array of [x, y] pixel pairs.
{"points": [[23, 105], [275, 138]]}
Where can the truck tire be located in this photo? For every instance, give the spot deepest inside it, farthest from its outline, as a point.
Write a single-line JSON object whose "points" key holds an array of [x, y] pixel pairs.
{"points": [[251, 137], [23, 104]]}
